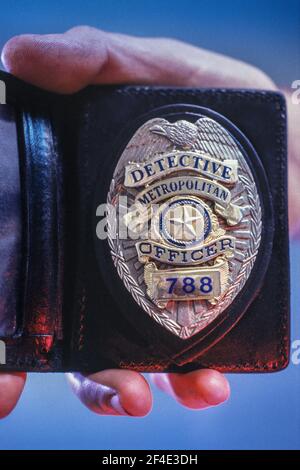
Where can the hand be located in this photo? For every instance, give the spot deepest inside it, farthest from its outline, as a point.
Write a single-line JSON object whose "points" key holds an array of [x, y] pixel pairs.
{"points": [[65, 63]]}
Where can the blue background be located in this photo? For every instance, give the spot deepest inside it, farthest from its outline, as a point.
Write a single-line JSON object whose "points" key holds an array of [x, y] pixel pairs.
{"points": [[264, 410]]}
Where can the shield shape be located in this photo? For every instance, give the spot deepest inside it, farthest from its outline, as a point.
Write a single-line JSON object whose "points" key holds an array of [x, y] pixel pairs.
{"points": [[184, 221]]}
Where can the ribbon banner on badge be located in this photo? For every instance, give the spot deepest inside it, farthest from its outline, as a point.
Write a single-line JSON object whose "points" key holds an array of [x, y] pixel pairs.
{"points": [[148, 249], [139, 174], [197, 186]]}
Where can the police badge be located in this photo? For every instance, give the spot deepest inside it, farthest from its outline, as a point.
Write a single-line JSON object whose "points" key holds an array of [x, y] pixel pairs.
{"points": [[194, 204]]}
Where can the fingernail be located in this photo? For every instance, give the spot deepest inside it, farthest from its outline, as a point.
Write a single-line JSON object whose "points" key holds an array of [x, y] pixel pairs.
{"points": [[115, 404], [162, 381], [103, 399]]}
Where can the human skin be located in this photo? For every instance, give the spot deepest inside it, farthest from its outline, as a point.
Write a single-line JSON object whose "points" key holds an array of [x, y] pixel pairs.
{"points": [[66, 63]]}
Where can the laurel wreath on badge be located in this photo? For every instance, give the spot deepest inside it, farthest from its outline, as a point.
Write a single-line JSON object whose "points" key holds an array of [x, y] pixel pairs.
{"points": [[189, 185]]}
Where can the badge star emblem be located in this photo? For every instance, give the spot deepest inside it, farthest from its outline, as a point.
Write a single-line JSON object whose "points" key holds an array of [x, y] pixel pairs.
{"points": [[186, 223]]}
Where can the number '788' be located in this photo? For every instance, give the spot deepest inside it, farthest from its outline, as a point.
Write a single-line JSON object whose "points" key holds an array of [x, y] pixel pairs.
{"points": [[189, 285]]}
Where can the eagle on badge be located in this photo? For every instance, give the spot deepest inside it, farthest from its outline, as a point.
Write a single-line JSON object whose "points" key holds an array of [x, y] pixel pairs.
{"points": [[205, 135]]}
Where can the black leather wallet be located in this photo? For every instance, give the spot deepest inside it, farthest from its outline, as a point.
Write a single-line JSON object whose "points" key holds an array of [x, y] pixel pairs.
{"points": [[208, 288]]}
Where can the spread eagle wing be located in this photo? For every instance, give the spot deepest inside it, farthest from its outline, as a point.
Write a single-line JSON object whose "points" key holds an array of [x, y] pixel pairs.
{"points": [[145, 144], [215, 140]]}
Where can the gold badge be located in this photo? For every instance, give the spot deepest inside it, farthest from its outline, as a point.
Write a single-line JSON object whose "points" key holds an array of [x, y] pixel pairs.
{"points": [[193, 220]]}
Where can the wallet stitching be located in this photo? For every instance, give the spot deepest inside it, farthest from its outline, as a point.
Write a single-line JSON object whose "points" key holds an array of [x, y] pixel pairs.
{"points": [[82, 315], [282, 165]]}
